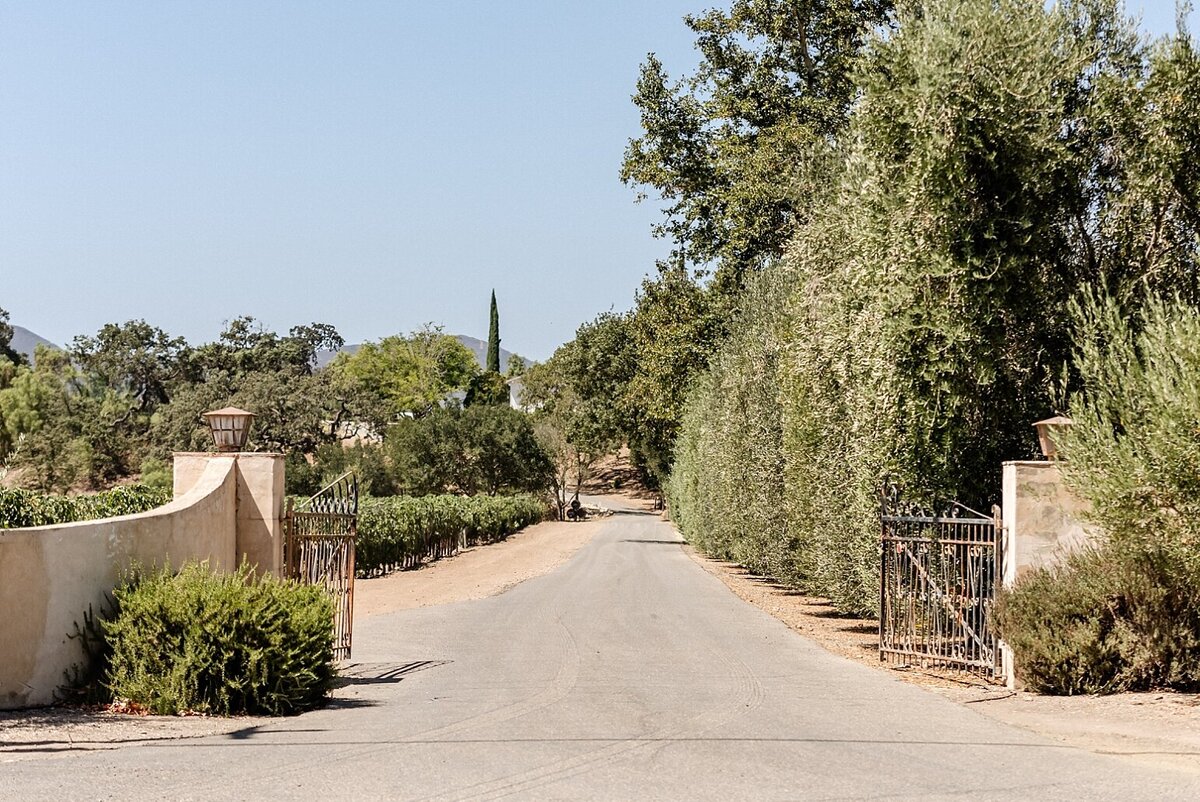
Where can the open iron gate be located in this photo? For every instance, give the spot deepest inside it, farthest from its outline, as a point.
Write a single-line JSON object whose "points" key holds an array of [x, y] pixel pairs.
{"points": [[318, 549], [939, 577]]}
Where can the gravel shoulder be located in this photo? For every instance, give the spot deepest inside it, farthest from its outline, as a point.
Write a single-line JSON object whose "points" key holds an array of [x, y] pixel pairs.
{"points": [[475, 573], [1158, 729], [60, 731]]}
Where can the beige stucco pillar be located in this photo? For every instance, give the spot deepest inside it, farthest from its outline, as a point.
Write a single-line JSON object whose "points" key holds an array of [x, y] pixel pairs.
{"points": [[1043, 523], [260, 500], [1044, 520]]}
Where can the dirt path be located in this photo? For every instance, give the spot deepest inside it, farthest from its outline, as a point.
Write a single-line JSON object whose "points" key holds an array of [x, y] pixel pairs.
{"points": [[477, 572]]}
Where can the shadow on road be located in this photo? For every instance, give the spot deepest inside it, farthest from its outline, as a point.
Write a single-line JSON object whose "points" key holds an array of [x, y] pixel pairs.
{"points": [[654, 542], [382, 673]]}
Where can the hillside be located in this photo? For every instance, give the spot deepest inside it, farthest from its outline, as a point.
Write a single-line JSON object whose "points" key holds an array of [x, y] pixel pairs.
{"points": [[25, 341], [475, 345]]}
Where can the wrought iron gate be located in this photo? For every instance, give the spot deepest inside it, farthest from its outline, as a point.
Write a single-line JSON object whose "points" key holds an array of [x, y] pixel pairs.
{"points": [[939, 577], [318, 548]]}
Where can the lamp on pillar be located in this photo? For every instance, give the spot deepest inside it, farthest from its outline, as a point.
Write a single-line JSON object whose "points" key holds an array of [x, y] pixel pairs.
{"points": [[230, 427], [1047, 430]]}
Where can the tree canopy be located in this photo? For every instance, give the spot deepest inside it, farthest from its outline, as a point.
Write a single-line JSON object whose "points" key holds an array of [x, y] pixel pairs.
{"points": [[6, 334], [723, 147], [409, 376]]}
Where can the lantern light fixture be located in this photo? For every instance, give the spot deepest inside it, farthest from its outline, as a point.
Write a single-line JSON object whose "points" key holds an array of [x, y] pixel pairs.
{"points": [[230, 428], [1048, 430]]}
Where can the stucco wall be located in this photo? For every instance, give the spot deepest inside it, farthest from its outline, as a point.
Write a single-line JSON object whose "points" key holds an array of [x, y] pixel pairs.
{"points": [[50, 574], [260, 500], [1043, 520]]}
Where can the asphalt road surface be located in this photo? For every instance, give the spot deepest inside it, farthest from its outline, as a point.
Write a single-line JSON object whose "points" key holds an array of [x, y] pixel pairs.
{"points": [[628, 673]]}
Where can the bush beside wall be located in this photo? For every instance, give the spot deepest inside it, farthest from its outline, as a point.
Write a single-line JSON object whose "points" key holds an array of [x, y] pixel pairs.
{"points": [[1126, 617], [223, 644]]}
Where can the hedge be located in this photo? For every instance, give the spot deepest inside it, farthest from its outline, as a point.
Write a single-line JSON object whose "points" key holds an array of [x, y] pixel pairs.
{"points": [[21, 508], [220, 643], [401, 532]]}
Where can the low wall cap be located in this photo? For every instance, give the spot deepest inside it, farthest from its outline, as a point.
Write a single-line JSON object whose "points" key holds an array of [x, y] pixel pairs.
{"points": [[1057, 420]]}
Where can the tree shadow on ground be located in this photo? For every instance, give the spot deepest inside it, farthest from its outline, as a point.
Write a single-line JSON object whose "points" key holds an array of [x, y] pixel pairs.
{"points": [[382, 673]]}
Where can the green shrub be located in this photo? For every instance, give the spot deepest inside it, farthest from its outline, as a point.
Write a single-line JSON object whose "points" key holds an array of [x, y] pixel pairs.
{"points": [[157, 474], [481, 448], [398, 532], [1126, 617], [726, 486], [198, 641], [1101, 624], [914, 340], [21, 508], [1058, 622]]}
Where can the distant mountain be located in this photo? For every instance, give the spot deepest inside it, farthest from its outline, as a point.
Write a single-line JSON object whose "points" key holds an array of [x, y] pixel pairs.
{"points": [[479, 349], [474, 345], [25, 341]]}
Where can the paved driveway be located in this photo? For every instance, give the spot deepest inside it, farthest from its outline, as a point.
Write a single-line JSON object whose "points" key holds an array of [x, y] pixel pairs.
{"points": [[629, 673]]}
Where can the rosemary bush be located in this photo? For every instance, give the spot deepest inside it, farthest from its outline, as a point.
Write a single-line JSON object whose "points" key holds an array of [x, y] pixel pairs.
{"points": [[199, 641]]}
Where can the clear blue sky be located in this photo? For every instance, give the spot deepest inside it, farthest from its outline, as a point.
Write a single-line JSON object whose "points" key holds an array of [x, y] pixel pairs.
{"points": [[374, 165]]}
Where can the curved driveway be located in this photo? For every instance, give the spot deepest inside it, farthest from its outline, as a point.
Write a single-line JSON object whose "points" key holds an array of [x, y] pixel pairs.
{"points": [[629, 673]]}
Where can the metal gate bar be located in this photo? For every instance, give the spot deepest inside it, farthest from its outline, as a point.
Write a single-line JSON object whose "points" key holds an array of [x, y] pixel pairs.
{"points": [[319, 550], [938, 580]]}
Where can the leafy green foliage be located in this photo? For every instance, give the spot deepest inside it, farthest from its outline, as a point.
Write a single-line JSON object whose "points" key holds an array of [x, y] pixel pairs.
{"points": [[87, 418], [6, 334], [223, 644], [21, 508], [1128, 616], [65, 429], [134, 358], [1062, 626], [1106, 621], [408, 375], [478, 449], [578, 400], [368, 461], [1146, 178], [675, 328], [1132, 451], [989, 170], [493, 347], [157, 475], [737, 151], [516, 367], [726, 488], [401, 532], [722, 146], [487, 389]]}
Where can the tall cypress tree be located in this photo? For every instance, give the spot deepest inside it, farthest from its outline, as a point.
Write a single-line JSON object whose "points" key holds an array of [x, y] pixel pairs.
{"points": [[493, 352]]}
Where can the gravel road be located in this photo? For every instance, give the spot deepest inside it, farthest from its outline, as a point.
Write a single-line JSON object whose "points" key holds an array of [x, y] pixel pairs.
{"points": [[627, 673]]}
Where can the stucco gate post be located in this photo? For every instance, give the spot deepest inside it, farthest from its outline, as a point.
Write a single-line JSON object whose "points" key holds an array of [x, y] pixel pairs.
{"points": [[260, 502], [1043, 523]]}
